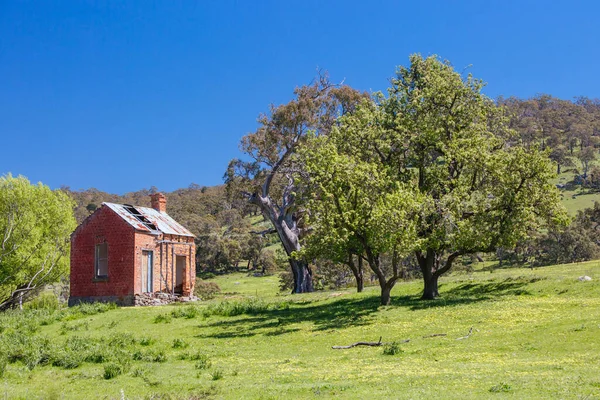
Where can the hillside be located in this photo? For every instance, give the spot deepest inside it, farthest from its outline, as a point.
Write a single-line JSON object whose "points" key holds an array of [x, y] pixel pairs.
{"points": [[535, 334]]}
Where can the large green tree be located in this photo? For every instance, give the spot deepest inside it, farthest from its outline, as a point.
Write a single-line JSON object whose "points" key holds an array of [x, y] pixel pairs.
{"points": [[357, 209], [267, 178], [35, 224], [437, 136]]}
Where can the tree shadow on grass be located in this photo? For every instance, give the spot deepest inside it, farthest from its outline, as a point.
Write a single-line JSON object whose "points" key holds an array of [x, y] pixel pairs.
{"points": [[343, 313], [336, 314], [467, 293]]}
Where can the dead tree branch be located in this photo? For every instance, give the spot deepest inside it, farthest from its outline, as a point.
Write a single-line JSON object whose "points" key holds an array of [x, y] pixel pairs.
{"points": [[434, 335], [373, 344], [468, 335]]}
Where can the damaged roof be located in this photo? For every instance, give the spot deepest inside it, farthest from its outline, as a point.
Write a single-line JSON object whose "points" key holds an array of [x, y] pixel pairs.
{"points": [[149, 220]]}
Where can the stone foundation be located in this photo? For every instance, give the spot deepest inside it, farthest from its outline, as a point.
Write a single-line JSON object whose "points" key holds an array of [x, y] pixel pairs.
{"points": [[159, 299]]}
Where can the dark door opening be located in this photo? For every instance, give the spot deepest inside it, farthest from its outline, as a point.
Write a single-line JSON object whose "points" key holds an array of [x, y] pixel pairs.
{"points": [[179, 271]]}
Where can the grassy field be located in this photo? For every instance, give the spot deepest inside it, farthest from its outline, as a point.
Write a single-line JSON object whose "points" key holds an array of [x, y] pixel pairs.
{"points": [[536, 334]]}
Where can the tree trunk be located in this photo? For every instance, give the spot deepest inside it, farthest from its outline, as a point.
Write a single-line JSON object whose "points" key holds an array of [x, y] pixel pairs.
{"points": [[385, 295], [288, 233], [430, 290], [357, 271], [302, 277], [427, 265], [360, 282]]}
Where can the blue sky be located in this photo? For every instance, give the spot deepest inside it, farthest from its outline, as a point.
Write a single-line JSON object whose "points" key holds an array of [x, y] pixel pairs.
{"points": [[124, 95]]}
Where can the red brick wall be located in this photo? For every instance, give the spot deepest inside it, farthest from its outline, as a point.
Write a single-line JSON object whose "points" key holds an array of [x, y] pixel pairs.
{"points": [[125, 247], [103, 226], [164, 268]]}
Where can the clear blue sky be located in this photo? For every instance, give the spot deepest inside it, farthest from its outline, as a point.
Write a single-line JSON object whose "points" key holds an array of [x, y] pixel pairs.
{"points": [[123, 95]]}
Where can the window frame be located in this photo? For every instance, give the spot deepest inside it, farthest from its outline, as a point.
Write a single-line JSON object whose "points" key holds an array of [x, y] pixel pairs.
{"points": [[98, 260]]}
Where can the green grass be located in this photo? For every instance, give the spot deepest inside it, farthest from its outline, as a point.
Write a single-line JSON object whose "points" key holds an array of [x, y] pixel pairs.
{"points": [[536, 334], [573, 197]]}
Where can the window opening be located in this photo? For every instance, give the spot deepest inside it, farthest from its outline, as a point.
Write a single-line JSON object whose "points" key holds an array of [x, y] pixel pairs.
{"points": [[101, 266]]}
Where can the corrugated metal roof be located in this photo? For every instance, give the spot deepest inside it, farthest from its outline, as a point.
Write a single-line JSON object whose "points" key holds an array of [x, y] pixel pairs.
{"points": [[162, 221]]}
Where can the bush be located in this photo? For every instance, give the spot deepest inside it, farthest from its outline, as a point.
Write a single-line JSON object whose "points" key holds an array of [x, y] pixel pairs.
{"points": [[147, 341], [162, 318], [179, 344], [206, 290], [67, 359], [112, 370], [149, 356], [3, 364], [202, 361], [249, 306], [121, 340], [216, 374], [391, 349], [188, 312], [45, 301], [501, 387]]}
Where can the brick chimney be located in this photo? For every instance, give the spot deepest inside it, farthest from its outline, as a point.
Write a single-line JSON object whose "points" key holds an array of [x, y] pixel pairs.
{"points": [[159, 202]]}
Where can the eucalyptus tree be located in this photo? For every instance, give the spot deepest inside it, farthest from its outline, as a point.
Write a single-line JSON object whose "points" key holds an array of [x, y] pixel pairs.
{"points": [[436, 136], [35, 224], [268, 178]]}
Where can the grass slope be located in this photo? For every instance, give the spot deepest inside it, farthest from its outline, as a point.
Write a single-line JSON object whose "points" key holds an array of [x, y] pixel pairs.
{"points": [[536, 334]]}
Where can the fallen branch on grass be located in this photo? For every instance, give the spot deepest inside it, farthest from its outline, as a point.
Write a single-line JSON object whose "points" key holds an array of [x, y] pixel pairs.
{"points": [[374, 344], [468, 335], [434, 335]]}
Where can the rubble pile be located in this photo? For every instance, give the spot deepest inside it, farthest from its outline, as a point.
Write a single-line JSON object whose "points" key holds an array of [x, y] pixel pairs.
{"points": [[159, 299]]}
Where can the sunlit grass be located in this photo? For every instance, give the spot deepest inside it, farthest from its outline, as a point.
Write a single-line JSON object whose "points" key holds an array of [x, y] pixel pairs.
{"points": [[536, 334]]}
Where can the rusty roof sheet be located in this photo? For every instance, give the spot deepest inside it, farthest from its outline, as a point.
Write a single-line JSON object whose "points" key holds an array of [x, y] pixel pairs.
{"points": [[162, 221]]}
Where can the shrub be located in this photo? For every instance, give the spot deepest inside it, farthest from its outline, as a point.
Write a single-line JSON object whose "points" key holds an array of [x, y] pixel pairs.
{"points": [[179, 344], [112, 370], [162, 318], [3, 364], [188, 312], [501, 387], [202, 361], [66, 359], [249, 306], [121, 340], [206, 290], [64, 328], [147, 341], [45, 301], [216, 374], [149, 356], [391, 349], [138, 372]]}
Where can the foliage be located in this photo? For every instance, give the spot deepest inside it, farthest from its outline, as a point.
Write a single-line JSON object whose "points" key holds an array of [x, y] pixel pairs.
{"points": [[247, 306], [205, 290], [35, 224], [216, 374], [45, 301], [579, 242], [391, 349], [268, 179], [112, 370], [438, 156]]}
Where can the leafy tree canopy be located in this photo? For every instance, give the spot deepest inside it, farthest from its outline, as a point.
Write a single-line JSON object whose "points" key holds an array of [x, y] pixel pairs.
{"points": [[35, 225], [437, 141]]}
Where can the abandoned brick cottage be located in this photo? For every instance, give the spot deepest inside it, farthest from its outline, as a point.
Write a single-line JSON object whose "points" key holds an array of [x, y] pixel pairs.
{"points": [[121, 251]]}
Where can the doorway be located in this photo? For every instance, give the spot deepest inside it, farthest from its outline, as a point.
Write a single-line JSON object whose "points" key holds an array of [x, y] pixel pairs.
{"points": [[180, 262], [147, 275]]}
